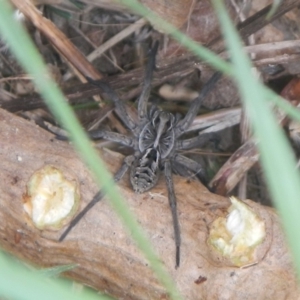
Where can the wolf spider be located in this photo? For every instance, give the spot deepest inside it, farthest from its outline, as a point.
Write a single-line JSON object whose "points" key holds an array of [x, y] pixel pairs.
{"points": [[156, 144]]}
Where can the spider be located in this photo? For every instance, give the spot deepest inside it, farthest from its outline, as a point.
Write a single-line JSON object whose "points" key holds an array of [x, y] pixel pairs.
{"points": [[156, 144]]}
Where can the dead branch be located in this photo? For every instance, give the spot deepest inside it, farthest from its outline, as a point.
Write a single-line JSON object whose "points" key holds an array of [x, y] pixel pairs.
{"points": [[57, 38], [107, 258]]}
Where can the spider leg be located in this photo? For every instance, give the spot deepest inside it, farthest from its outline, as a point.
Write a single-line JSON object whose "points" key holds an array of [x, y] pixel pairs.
{"points": [[191, 165], [197, 141], [111, 136], [120, 107], [173, 206], [122, 139], [185, 123], [144, 96], [120, 173]]}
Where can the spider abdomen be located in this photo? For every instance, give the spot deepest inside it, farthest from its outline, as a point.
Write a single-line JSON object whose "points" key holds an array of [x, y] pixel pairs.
{"points": [[145, 171]]}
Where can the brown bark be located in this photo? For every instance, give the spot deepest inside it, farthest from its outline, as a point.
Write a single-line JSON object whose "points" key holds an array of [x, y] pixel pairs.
{"points": [[106, 256]]}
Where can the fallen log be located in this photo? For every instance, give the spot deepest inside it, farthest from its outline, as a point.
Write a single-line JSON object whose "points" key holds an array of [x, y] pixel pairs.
{"points": [[107, 258]]}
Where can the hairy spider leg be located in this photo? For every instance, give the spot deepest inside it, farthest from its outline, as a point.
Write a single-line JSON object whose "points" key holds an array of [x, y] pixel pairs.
{"points": [[173, 207], [196, 168], [118, 176], [191, 165], [111, 136], [185, 123], [197, 141], [144, 96], [122, 139], [120, 106]]}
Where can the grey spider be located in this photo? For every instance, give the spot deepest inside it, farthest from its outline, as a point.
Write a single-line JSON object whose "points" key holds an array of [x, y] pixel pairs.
{"points": [[155, 142]]}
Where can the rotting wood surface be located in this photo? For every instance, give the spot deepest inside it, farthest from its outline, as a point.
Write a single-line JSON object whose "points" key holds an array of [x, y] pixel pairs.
{"points": [[106, 256]]}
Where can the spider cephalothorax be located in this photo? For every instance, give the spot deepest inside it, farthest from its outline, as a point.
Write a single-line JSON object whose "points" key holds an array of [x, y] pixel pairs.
{"points": [[156, 144], [158, 133]]}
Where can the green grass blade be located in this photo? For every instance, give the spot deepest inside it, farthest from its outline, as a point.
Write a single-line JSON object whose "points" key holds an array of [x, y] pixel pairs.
{"points": [[190, 44], [278, 101], [202, 52], [273, 9], [282, 176], [277, 157], [28, 56], [18, 282], [56, 271]]}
